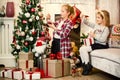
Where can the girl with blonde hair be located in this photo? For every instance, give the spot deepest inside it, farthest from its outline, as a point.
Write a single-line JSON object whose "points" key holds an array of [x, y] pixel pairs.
{"points": [[61, 41], [100, 35]]}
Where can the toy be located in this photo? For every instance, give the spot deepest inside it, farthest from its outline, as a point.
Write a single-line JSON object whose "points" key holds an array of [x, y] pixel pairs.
{"points": [[76, 71]]}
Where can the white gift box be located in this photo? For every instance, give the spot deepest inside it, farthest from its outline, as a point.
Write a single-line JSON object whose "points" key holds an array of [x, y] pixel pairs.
{"points": [[34, 75], [88, 41], [15, 74], [4, 73]]}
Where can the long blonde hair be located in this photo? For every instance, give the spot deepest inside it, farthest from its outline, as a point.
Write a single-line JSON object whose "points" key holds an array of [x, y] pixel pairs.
{"points": [[105, 16], [68, 9]]}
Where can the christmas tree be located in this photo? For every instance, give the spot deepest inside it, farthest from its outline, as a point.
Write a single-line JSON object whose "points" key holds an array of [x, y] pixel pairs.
{"points": [[28, 28]]}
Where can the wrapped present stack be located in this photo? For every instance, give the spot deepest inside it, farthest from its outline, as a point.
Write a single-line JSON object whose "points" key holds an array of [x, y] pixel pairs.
{"points": [[19, 74], [25, 60]]}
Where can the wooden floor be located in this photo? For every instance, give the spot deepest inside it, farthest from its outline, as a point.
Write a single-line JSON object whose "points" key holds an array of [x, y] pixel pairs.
{"points": [[95, 75]]}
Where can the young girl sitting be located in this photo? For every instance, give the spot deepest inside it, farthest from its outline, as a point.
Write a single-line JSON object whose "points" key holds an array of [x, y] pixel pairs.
{"points": [[100, 36]]}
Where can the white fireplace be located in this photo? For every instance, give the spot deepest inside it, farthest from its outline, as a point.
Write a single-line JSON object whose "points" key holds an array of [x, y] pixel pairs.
{"points": [[6, 36]]}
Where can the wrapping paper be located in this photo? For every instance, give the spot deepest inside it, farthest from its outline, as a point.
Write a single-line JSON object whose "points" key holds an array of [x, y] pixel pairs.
{"points": [[25, 64], [56, 68], [88, 41], [25, 56], [32, 75], [3, 73], [16, 74]]}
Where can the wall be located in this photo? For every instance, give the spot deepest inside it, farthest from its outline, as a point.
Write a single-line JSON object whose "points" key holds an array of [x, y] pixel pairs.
{"points": [[113, 6], [86, 6]]}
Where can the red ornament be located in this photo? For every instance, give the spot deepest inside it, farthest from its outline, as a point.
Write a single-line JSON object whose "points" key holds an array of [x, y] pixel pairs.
{"points": [[33, 10], [43, 33], [34, 32], [26, 43], [52, 56], [27, 2], [14, 40], [24, 21], [59, 56]]}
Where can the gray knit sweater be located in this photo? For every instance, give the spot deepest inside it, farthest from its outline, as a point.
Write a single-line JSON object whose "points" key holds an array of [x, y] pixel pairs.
{"points": [[101, 32]]}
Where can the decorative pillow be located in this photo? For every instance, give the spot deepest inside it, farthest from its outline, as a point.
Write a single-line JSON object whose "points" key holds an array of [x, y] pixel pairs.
{"points": [[114, 40]]}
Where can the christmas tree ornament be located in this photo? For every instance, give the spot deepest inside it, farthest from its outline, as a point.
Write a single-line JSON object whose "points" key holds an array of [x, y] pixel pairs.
{"points": [[22, 41], [17, 47], [25, 49], [27, 15], [26, 43], [29, 6], [26, 28], [31, 38], [33, 16], [27, 37], [36, 54], [24, 21], [33, 31], [33, 50], [18, 32], [16, 41], [22, 33], [32, 9], [27, 2], [37, 17], [38, 5], [30, 20], [15, 53], [40, 14]]}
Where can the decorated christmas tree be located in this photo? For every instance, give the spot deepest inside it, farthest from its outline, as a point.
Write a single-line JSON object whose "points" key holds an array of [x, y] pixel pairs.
{"points": [[28, 28]]}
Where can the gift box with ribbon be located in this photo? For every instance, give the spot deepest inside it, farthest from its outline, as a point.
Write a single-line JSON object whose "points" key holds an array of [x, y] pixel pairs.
{"points": [[30, 75], [25, 64], [88, 41], [3, 73], [25, 55], [56, 68], [16, 73]]}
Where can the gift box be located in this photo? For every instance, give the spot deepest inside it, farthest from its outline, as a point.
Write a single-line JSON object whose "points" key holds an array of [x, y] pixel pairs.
{"points": [[88, 41], [71, 64], [25, 55], [3, 73], [15, 74], [56, 68], [32, 75], [25, 64]]}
